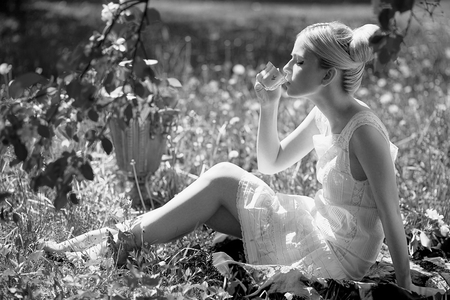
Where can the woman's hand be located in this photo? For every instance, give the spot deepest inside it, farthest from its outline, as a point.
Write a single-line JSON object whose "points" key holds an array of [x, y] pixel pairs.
{"points": [[425, 291], [264, 96]]}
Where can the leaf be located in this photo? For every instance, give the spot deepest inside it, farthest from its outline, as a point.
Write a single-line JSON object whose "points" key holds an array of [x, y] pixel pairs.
{"points": [[43, 131], [153, 16], [73, 198], [139, 90], [18, 86], [20, 150], [69, 130], [40, 181], [394, 43], [384, 56], [16, 218], [51, 112], [87, 171], [2, 214], [59, 121], [93, 115], [90, 135], [128, 112], [36, 255], [402, 5], [74, 89], [80, 92], [221, 261], [150, 62], [60, 201], [425, 240], [173, 82], [107, 145], [4, 195], [139, 67], [384, 18], [377, 40], [108, 83]]}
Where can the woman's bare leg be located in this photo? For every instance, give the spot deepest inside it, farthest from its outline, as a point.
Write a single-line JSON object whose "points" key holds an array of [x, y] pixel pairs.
{"points": [[211, 199], [82, 242]]}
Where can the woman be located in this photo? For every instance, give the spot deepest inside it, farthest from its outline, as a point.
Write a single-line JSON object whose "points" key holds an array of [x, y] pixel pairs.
{"points": [[338, 234]]}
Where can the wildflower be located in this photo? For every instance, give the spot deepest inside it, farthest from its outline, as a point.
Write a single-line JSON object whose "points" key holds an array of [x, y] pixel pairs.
{"points": [[413, 103], [441, 107], [393, 109], [109, 11], [433, 214], [234, 120], [5, 68], [382, 82], [239, 69], [233, 154], [444, 229], [397, 87], [386, 98]]}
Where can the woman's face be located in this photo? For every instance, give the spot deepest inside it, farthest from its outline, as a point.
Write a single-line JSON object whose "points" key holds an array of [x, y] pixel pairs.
{"points": [[304, 73]]}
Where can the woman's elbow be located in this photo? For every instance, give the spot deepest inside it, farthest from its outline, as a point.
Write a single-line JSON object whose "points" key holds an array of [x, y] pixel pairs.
{"points": [[267, 169]]}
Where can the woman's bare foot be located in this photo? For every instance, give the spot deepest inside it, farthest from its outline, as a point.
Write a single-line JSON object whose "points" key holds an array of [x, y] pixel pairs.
{"points": [[50, 246]]}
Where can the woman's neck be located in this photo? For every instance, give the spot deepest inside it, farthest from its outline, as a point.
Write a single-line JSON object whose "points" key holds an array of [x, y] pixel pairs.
{"points": [[337, 106]]}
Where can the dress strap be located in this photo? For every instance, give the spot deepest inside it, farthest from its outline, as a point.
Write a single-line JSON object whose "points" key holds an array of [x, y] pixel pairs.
{"points": [[366, 117], [321, 121]]}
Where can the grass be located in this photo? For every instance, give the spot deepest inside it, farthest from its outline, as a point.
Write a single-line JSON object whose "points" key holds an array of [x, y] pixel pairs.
{"points": [[218, 122]]}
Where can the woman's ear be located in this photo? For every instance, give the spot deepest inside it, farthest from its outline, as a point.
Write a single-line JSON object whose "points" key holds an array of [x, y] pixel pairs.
{"points": [[330, 74]]}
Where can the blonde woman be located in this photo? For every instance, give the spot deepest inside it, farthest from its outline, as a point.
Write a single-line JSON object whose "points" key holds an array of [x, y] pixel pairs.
{"points": [[338, 233]]}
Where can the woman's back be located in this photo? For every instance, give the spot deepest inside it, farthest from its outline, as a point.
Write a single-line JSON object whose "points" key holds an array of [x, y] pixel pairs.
{"points": [[347, 213]]}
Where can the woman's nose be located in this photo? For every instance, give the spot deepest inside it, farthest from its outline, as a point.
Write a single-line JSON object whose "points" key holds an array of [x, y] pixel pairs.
{"points": [[287, 69]]}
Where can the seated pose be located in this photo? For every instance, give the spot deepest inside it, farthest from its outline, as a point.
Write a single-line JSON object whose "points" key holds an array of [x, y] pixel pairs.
{"points": [[338, 233]]}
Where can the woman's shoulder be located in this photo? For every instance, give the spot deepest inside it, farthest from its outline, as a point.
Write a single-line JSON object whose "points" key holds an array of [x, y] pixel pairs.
{"points": [[365, 116], [368, 129]]}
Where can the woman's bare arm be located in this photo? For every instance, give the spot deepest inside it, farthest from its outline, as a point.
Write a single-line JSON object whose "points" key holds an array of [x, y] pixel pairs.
{"points": [[275, 155], [373, 153]]}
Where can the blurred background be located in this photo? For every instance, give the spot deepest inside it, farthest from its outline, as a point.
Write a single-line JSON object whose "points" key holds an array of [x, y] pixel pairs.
{"points": [[34, 34]]}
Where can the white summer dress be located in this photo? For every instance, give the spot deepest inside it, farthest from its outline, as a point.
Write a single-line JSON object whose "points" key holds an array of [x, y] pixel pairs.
{"points": [[338, 234]]}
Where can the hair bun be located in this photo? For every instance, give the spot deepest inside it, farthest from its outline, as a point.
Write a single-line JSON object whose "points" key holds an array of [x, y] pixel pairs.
{"points": [[359, 48]]}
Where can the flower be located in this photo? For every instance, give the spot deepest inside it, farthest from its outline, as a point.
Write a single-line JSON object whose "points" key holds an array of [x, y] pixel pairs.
{"points": [[386, 98], [5, 68], [233, 154], [433, 214], [239, 69], [444, 230], [109, 11], [393, 109]]}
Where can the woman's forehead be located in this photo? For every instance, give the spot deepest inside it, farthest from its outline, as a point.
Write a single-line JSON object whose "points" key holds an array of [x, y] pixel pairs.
{"points": [[300, 48]]}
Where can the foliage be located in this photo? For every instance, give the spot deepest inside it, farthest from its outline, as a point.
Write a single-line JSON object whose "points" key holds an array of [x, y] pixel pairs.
{"points": [[387, 41], [103, 79]]}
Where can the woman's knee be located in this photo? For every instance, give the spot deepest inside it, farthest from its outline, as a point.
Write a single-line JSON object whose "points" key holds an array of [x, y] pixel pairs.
{"points": [[224, 180], [225, 170]]}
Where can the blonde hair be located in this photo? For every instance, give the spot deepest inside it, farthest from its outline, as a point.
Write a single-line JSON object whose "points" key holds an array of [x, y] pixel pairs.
{"points": [[338, 46]]}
